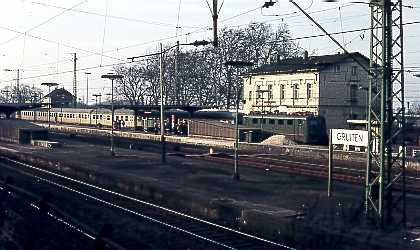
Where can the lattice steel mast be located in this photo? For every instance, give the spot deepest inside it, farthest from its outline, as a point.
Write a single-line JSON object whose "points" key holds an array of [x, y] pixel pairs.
{"points": [[385, 171]]}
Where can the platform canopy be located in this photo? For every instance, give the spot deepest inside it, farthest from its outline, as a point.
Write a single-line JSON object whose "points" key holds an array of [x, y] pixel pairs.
{"points": [[9, 108], [141, 108]]}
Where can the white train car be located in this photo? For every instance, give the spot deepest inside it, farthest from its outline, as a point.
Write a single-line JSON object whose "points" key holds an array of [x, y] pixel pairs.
{"points": [[88, 116]]}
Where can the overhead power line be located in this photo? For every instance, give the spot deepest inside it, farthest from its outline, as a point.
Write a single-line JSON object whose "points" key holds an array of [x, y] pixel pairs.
{"points": [[156, 23], [61, 44], [40, 24]]}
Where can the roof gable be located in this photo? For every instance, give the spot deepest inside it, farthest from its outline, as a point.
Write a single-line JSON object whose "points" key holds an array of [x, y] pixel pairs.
{"points": [[59, 92]]}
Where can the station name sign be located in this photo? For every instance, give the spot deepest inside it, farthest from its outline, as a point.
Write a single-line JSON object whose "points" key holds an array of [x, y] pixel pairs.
{"points": [[349, 137]]}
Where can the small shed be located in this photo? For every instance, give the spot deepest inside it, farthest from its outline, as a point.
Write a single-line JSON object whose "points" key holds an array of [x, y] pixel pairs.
{"points": [[22, 132]]}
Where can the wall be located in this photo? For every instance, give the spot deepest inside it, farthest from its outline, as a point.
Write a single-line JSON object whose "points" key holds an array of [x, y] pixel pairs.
{"points": [[274, 102], [337, 102]]}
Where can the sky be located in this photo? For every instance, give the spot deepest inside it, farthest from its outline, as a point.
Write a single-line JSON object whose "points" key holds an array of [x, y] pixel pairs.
{"points": [[39, 37]]}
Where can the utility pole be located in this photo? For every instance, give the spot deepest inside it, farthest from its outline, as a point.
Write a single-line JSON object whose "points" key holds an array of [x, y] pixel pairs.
{"points": [[19, 99], [74, 80], [238, 91], [96, 106], [87, 87], [215, 17], [49, 85], [112, 77], [385, 169], [162, 115], [177, 102]]}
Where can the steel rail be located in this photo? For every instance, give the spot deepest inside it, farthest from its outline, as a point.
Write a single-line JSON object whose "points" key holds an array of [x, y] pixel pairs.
{"points": [[304, 169], [147, 204]]}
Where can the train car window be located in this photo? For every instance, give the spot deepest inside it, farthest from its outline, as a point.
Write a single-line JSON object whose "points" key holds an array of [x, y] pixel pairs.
{"points": [[280, 122], [289, 122], [108, 117], [100, 117], [300, 122], [264, 121], [126, 118], [271, 121], [254, 120]]}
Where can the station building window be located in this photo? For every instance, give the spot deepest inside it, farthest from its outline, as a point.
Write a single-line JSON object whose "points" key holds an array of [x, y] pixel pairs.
{"points": [[280, 122], [271, 121], [337, 68], [254, 120], [281, 91], [295, 91], [289, 122], [270, 91], [354, 70], [309, 90]]}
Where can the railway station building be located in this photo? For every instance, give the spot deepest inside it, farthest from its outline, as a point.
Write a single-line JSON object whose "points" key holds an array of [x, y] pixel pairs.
{"points": [[59, 98], [332, 86]]}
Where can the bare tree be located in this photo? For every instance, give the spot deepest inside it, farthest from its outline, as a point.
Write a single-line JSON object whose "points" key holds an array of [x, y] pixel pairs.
{"points": [[10, 94], [202, 77]]}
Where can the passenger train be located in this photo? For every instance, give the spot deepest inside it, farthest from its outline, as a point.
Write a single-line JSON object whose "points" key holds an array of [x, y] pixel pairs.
{"points": [[303, 128]]}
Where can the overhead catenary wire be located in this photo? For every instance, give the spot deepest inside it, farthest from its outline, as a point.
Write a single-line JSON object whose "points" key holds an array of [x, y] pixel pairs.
{"points": [[40, 24], [207, 26], [197, 31], [156, 23], [292, 39], [55, 42]]}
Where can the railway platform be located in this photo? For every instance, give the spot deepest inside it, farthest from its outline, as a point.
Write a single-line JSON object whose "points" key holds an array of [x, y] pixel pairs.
{"points": [[279, 206]]}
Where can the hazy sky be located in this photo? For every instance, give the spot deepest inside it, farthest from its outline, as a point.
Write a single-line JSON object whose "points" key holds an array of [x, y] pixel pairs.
{"points": [[40, 36]]}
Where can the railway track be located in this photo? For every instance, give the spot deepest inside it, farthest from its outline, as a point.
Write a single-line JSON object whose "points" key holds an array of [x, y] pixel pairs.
{"points": [[214, 235], [354, 175], [345, 174]]}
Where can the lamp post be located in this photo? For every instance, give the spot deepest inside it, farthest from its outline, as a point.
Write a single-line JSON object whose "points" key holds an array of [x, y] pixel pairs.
{"points": [[18, 96], [237, 64], [112, 77], [7, 94], [162, 115], [96, 107], [62, 97], [49, 84], [87, 87], [161, 84]]}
